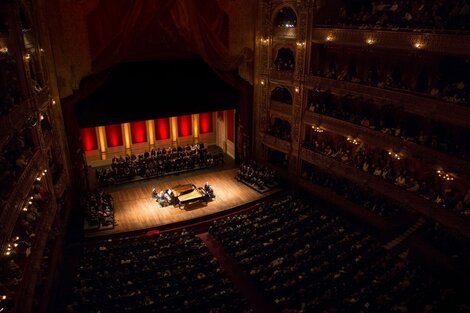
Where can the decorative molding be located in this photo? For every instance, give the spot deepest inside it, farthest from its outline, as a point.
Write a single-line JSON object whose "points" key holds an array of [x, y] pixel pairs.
{"points": [[276, 143], [430, 42], [427, 107]]}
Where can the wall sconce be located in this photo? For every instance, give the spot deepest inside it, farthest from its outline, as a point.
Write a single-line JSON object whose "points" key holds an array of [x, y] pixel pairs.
{"points": [[4, 50], [330, 38], [418, 45], [297, 89], [27, 56], [264, 41], [394, 155], [301, 44], [370, 41], [352, 140], [262, 82], [444, 175], [53, 101], [41, 49], [317, 129]]}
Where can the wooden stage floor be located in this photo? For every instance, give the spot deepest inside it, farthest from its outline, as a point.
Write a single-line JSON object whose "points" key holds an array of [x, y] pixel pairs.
{"points": [[136, 210]]}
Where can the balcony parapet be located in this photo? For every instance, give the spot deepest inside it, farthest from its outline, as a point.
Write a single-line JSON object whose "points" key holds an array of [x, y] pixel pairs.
{"points": [[326, 194], [400, 195], [14, 120], [11, 210], [447, 43], [276, 143], [282, 108], [281, 75], [388, 142], [42, 98], [428, 107]]}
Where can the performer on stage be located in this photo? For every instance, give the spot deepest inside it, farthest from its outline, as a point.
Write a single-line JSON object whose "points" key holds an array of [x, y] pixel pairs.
{"points": [[154, 193]]}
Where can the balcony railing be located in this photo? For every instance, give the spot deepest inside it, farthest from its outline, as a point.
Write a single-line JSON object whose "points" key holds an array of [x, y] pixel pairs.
{"points": [[400, 195], [416, 104], [42, 98], [276, 143], [281, 75], [285, 109], [389, 142], [326, 194], [22, 187], [14, 120], [285, 32], [389, 39]]}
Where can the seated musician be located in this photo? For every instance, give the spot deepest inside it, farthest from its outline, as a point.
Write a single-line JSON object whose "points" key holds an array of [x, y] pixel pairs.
{"points": [[161, 198], [154, 193], [208, 190]]}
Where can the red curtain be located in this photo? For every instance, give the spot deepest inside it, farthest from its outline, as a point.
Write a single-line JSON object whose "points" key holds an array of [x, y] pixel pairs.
{"points": [[162, 128], [184, 126], [121, 30], [205, 123], [114, 135], [89, 138], [231, 125], [139, 132]]}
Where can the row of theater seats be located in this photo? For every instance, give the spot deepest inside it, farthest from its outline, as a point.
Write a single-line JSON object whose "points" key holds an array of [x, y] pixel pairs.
{"points": [[158, 163], [22, 243], [257, 176], [405, 14], [360, 195], [10, 92], [454, 89], [390, 120], [400, 172], [14, 158], [307, 260], [300, 253], [280, 129], [171, 272], [99, 208]]}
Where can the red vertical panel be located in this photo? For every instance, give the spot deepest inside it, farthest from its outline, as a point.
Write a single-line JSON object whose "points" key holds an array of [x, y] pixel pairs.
{"points": [[139, 132], [205, 123], [231, 125], [184, 126], [162, 128], [114, 135], [89, 138]]}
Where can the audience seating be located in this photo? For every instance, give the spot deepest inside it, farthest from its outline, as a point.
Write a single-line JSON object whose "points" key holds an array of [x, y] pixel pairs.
{"points": [[170, 272]]}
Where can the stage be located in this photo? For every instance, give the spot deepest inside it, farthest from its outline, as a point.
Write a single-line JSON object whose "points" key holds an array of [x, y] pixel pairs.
{"points": [[135, 209]]}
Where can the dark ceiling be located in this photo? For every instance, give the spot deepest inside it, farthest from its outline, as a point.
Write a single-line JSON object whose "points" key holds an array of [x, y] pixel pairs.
{"points": [[148, 90]]}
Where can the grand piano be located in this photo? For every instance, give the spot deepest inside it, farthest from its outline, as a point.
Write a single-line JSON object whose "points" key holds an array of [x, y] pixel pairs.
{"points": [[184, 195]]}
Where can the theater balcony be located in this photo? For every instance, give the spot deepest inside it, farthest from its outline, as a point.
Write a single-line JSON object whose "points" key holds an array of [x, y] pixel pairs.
{"points": [[416, 104], [444, 43]]}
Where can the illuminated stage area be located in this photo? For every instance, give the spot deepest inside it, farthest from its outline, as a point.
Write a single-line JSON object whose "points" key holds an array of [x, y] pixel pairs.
{"points": [[135, 209]]}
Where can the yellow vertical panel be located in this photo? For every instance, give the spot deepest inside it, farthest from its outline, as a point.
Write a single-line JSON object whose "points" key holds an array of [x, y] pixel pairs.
{"points": [[174, 129], [102, 141], [196, 127], [126, 127], [151, 132]]}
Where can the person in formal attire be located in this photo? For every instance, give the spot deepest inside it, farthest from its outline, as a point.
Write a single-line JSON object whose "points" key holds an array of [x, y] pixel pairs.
{"points": [[154, 193]]}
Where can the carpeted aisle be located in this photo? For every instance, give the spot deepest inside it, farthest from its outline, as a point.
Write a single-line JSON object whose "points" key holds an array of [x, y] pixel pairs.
{"points": [[240, 279]]}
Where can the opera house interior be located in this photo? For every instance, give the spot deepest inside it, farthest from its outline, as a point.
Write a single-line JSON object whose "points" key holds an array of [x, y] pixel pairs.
{"points": [[234, 156]]}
